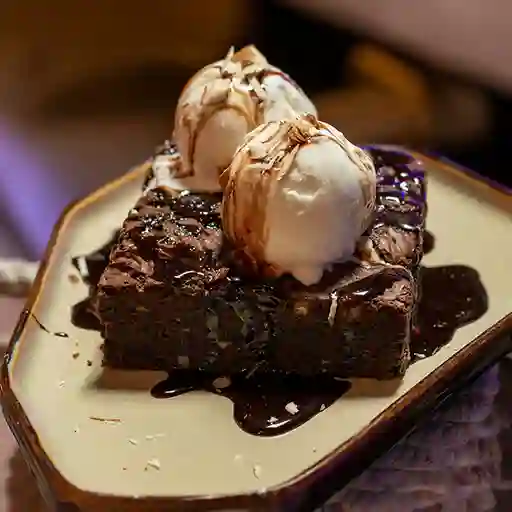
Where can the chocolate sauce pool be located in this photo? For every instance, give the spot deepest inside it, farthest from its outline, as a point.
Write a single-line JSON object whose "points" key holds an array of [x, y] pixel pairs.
{"points": [[451, 296], [269, 406], [273, 405], [262, 405]]}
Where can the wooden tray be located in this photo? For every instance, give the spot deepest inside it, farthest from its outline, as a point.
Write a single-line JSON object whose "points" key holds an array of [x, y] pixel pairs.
{"points": [[52, 402]]}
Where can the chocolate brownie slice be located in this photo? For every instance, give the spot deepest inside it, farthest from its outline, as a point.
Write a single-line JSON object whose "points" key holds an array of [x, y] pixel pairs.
{"points": [[172, 297]]}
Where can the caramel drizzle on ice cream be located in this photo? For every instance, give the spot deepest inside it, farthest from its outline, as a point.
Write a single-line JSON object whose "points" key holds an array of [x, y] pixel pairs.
{"points": [[234, 83], [265, 158]]}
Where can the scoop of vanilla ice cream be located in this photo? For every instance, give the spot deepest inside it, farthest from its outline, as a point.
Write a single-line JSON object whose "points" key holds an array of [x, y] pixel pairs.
{"points": [[283, 98], [297, 197], [223, 102]]}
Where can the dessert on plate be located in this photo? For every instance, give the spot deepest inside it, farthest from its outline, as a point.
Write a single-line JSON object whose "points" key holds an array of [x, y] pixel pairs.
{"points": [[264, 241], [264, 265]]}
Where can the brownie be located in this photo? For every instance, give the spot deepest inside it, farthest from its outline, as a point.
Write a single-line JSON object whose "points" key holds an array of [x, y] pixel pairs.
{"points": [[174, 297]]}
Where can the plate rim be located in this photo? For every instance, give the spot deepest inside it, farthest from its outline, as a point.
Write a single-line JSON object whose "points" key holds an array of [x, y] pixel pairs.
{"points": [[316, 484]]}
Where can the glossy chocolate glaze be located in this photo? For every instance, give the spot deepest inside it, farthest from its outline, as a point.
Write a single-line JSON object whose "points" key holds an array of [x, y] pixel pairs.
{"points": [[401, 194], [451, 296], [259, 403], [265, 405], [272, 405], [90, 268]]}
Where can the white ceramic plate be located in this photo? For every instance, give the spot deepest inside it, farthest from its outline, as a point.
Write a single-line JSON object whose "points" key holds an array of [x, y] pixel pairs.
{"points": [[160, 454]]}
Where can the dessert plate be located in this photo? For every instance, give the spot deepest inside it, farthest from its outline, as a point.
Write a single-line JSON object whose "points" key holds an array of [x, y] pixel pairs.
{"points": [[97, 440]]}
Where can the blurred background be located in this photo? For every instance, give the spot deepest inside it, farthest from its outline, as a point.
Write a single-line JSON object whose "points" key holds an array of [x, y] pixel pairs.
{"points": [[88, 88]]}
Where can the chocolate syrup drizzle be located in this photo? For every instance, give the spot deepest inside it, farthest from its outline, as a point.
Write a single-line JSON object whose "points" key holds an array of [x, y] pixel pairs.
{"points": [[274, 404], [269, 406], [58, 334], [94, 264], [264, 405]]}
